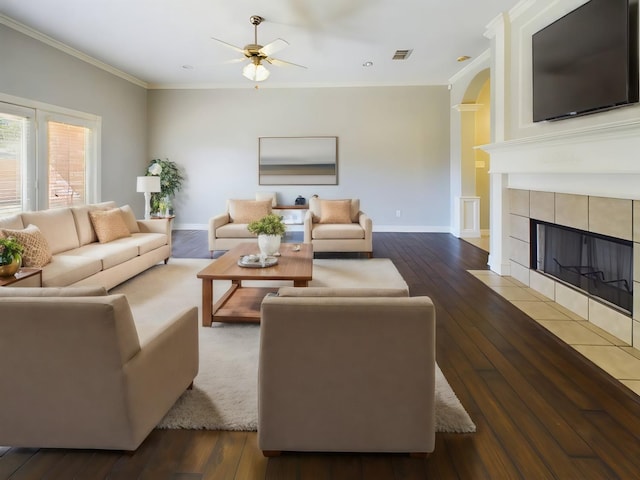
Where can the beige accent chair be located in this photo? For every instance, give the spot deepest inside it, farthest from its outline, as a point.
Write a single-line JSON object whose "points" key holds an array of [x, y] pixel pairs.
{"points": [[351, 234], [348, 370], [228, 229], [77, 374]]}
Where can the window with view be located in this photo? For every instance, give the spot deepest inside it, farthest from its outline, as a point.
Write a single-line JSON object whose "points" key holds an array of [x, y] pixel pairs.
{"points": [[49, 156], [68, 146], [14, 138]]}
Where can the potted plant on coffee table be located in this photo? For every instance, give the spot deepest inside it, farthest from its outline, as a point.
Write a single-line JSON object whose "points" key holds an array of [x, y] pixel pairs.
{"points": [[270, 230], [10, 256]]}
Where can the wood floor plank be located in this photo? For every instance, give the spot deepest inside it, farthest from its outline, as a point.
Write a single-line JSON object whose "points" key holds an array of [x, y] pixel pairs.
{"points": [[13, 458], [224, 459]]}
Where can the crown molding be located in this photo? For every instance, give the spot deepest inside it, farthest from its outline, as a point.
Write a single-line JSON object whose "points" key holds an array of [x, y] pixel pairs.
{"points": [[15, 25]]}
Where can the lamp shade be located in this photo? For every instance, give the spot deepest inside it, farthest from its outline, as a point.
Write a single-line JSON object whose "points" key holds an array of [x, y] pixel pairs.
{"points": [[255, 72], [148, 184]]}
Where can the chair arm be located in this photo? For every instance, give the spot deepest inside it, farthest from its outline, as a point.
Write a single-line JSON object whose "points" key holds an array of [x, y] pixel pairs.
{"points": [[308, 226], [215, 223], [366, 223], [162, 370]]}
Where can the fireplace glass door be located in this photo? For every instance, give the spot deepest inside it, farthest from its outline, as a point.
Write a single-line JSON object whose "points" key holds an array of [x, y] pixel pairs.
{"points": [[596, 264]]}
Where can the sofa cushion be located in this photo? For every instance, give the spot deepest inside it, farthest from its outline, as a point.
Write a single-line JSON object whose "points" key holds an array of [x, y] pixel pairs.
{"points": [[335, 211], [339, 231], [13, 221], [130, 219], [86, 233], [315, 209], [36, 251], [109, 254], [234, 230], [109, 224], [65, 270], [145, 242], [246, 211], [58, 227], [90, 291]]}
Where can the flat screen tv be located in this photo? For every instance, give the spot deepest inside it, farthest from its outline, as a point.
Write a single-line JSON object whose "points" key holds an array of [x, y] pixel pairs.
{"points": [[586, 61]]}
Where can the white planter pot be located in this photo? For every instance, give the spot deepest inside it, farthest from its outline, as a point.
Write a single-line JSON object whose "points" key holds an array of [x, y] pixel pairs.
{"points": [[269, 244]]}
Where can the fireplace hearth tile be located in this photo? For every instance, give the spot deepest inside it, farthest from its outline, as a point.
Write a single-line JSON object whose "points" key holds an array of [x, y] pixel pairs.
{"points": [[613, 360], [540, 310], [573, 333], [633, 385], [516, 293], [603, 333], [611, 216]]}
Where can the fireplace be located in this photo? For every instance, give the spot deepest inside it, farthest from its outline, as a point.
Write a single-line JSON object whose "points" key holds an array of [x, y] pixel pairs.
{"points": [[598, 265]]}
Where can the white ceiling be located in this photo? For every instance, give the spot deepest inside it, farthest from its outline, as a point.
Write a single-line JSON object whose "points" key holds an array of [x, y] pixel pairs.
{"points": [[152, 39]]}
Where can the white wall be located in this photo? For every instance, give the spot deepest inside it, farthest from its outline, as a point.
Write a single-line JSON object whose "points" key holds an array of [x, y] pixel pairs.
{"points": [[33, 70], [393, 147]]}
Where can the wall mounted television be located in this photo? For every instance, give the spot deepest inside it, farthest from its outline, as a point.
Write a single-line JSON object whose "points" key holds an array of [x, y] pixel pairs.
{"points": [[586, 61]]}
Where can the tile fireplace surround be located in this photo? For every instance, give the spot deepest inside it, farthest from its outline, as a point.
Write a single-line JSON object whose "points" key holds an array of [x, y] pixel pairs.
{"points": [[614, 217]]}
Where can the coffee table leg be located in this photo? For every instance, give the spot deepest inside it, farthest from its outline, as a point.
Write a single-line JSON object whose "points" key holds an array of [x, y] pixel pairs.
{"points": [[207, 301], [300, 283]]}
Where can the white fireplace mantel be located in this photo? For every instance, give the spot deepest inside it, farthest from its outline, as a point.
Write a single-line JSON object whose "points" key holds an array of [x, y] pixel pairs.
{"points": [[601, 160]]}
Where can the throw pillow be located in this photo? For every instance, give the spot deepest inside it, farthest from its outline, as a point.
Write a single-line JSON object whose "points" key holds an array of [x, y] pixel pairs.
{"points": [[36, 249], [109, 224], [335, 211], [130, 219], [246, 211]]}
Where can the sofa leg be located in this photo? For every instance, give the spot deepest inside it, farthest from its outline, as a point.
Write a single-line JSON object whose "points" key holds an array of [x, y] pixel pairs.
{"points": [[166, 260], [271, 453], [190, 387]]}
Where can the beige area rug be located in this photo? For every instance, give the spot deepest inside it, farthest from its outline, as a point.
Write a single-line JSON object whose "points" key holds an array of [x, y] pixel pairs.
{"points": [[224, 396]]}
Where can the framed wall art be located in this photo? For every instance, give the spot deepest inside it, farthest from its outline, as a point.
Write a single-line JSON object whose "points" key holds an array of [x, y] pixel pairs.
{"points": [[298, 160]]}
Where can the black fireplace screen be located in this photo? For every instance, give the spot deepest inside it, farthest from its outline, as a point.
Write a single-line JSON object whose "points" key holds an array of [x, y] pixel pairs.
{"points": [[599, 265]]}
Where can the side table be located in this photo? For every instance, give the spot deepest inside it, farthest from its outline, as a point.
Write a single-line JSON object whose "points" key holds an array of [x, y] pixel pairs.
{"points": [[25, 277]]}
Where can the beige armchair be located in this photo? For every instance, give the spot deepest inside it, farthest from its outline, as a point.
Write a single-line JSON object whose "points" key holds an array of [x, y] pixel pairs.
{"points": [[228, 229], [352, 373], [79, 375], [338, 226]]}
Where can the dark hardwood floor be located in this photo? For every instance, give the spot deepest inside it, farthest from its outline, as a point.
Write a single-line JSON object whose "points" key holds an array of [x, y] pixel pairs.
{"points": [[542, 410]]}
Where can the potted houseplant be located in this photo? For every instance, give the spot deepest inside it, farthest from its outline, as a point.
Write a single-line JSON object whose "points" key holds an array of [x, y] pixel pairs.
{"points": [[10, 256], [171, 179], [270, 230]]}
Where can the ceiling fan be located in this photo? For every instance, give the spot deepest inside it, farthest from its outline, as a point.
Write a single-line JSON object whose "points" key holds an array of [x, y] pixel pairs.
{"points": [[256, 53]]}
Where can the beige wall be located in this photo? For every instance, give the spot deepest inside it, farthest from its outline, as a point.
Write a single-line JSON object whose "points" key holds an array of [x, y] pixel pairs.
{"points": [[393, 147], [33, 70]]}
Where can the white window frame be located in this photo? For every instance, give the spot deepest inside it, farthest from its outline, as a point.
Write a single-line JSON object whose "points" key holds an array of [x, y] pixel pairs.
{"points": [[28, 168], [36, 178]]}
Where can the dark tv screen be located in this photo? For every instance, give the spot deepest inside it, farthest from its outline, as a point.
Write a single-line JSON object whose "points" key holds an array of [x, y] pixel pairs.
{"points": [[586, 61]]}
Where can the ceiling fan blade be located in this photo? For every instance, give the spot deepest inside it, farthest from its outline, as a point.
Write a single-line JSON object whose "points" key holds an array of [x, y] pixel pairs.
{"points": [[236, 60], [232, 47], [282, 63], [273, 47]]}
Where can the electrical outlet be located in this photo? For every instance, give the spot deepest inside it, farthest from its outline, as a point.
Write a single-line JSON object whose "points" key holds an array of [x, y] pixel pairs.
{"points": [[398, 213]]}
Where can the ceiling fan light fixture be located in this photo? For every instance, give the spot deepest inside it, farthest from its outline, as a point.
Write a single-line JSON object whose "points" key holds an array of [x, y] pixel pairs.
{"points": [[256, 72]]}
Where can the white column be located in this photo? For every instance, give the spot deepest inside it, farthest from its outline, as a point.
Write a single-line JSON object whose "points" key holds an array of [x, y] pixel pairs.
{"points": [[499, 240]]}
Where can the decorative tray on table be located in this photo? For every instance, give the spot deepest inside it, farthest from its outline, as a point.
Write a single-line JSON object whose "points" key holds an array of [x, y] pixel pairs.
{"points": [[256, 261]]}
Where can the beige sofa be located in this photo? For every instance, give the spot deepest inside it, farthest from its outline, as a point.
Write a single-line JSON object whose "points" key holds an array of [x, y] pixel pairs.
{"points": [[330, 230], [346, 370], [79, 259], [79, 374]]}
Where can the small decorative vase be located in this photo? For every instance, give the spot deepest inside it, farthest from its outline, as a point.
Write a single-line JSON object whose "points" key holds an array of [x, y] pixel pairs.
{"points": [[269, 244], [11, 268]]}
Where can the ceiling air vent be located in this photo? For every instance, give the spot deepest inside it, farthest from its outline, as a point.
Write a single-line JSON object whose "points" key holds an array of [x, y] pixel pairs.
{"points": [[402, 54]]}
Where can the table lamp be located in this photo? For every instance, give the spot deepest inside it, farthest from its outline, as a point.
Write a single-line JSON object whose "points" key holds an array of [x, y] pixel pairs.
{"points": [[147, 185]]}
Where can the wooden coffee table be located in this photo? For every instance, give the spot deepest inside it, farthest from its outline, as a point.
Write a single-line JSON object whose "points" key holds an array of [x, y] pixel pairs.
{"points": [[242, 304]]}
